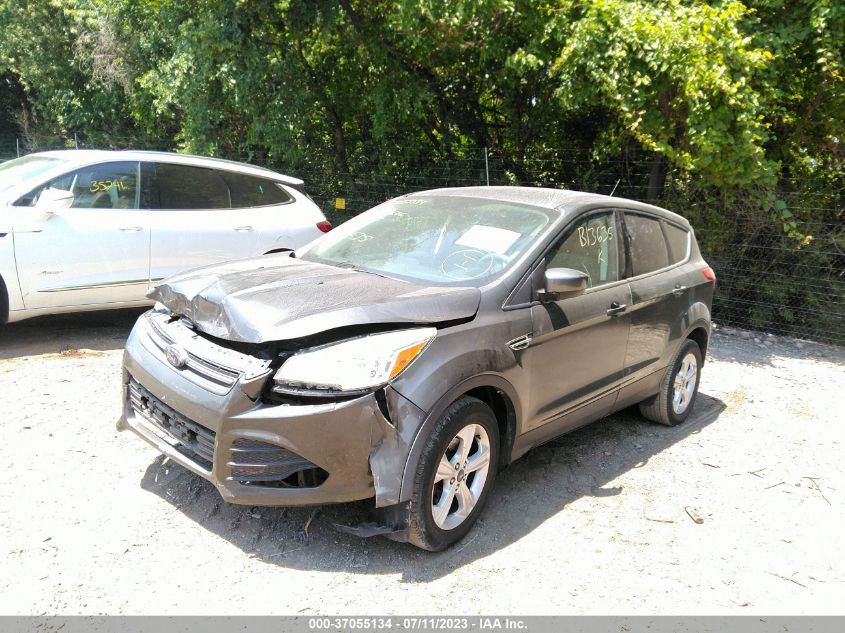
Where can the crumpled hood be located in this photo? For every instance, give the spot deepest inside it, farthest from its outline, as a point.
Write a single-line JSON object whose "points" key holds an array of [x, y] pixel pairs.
{"points": [[277, 298]]}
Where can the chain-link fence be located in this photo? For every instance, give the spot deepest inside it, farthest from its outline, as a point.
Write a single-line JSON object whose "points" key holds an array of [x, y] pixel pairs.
{"points": [[777, 276]]}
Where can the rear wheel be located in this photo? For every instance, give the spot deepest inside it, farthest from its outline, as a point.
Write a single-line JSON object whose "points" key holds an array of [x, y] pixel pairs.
{"points": [[455, 474], [678, 389]]}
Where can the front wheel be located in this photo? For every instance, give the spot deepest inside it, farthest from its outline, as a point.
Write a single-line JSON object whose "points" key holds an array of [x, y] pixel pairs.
{"points": [[678, 389], [455, 473]]}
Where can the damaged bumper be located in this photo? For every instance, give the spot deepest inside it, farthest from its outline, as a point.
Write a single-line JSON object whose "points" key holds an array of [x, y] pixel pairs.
{"points": [[208, 415]]}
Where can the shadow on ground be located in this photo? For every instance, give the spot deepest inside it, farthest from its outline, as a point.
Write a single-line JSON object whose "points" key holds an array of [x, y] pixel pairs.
{"points": [[538, 486], [54, 334]]}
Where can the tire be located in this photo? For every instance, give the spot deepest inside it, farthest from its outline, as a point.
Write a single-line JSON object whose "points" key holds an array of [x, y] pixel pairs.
{"points": [[466, 489], [672, 406]]}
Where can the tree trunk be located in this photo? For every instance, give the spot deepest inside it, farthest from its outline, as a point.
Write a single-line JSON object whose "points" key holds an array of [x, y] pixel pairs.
{"points": [[656, 177]]}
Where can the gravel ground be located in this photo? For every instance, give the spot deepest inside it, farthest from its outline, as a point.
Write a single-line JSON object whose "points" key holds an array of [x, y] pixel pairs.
{"points": [[599, 521]]}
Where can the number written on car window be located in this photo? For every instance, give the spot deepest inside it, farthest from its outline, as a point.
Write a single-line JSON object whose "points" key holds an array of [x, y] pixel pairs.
{"points": [[105, 185], [591, 235]]}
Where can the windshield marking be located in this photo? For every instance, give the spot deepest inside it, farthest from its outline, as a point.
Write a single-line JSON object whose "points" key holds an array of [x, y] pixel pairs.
{"points": [[488, 238]]}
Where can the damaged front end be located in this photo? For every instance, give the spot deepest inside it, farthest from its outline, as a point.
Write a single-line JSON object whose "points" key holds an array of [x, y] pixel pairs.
{"points": [[272, 379], [221, 409], [347, 366], [280, 298]]}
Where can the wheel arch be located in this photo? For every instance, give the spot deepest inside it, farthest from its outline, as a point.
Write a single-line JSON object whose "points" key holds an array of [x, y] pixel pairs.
{"points": [[491, 389], [700, 334], [696, 325], [4, 302]]}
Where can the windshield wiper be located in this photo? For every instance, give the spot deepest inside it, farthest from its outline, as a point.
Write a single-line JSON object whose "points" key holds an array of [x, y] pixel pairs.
{"points": [[358, 269]]}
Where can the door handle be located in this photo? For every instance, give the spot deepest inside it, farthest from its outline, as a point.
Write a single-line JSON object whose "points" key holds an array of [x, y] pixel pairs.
{"points": [[616, 308], [130, 229], [243, 228], [679, 290]]}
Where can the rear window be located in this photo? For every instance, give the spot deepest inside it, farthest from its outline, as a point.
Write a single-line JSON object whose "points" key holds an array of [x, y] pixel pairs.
{"points": [[648, 247], [678, 242], [249, 191], [187, 187]]}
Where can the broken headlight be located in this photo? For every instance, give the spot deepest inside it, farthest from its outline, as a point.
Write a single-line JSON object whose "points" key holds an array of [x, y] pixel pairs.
{"points": [[355, 365]]}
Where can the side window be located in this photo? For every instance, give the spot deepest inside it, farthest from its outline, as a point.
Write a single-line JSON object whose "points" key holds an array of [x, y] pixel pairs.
{"points": [[187, 187], [103, 186], [678, 242], [648, 247], [592, 246], [249, 191]]}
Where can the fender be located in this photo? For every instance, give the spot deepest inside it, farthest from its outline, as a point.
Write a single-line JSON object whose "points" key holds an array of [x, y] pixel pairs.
{"points": [[481, 380], [698, 316]]}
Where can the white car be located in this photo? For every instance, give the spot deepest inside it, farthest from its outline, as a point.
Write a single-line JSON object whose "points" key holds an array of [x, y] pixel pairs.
{"points": [[90, 230]]}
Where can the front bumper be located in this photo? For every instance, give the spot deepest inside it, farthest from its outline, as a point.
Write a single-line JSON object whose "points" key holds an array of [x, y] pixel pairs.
{"points": [[337, 438]]}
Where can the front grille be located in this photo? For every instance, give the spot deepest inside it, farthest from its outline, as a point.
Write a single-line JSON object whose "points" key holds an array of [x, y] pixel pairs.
{"points": [[216, 368], [254, 463], [208, 370], [193, 440]]}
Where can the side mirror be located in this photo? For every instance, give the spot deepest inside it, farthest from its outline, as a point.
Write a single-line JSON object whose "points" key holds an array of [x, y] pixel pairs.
{"points": [[563, 281], [52, 200]]}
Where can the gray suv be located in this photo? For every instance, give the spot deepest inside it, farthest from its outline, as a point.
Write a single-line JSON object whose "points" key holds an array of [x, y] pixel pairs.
{"points": [[419, 348]]}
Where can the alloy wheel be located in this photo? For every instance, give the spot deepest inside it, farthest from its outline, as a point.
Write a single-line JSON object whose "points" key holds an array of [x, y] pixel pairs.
{"points": [[683, 388], [460, 477]]}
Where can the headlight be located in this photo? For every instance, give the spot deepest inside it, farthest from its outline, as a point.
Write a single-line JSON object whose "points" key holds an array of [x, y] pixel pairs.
{"points": [[357, 364]]}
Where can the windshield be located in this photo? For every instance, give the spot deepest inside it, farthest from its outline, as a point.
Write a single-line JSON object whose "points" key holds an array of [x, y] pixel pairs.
{"points": [[15, 171], [440, 240]]}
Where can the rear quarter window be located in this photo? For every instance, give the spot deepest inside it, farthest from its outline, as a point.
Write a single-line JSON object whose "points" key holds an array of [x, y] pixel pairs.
{"points": [[647, 244], [249, 191], [678, 242]]}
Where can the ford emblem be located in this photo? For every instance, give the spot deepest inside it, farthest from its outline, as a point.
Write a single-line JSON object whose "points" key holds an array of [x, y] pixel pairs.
{"points": [[176, 356]]}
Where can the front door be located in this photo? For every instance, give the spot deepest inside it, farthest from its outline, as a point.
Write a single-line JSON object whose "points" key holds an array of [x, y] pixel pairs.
{"points": [[577, 353], [95, 252]]}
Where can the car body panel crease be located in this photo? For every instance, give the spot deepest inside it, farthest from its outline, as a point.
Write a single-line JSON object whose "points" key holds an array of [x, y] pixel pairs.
{"points": [[277, 298]]}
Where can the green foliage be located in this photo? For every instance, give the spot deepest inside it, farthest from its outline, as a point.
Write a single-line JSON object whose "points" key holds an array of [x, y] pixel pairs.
{"points": [[38, 47], [681, 78]]}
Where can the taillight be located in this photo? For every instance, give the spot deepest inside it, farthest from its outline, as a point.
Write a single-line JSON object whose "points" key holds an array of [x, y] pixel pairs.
{"points": [[709, 275], [325, 226]]}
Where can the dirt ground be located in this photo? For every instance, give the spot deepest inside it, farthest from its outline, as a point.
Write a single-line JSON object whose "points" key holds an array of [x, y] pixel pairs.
{"points": [[93, 521]]}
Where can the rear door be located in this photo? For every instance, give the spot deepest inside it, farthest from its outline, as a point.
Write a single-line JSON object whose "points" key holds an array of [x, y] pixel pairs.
{"points": [[203, 216], [577, 349], [95, 252], [277, 220], [192, 222], [659, 297]]}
